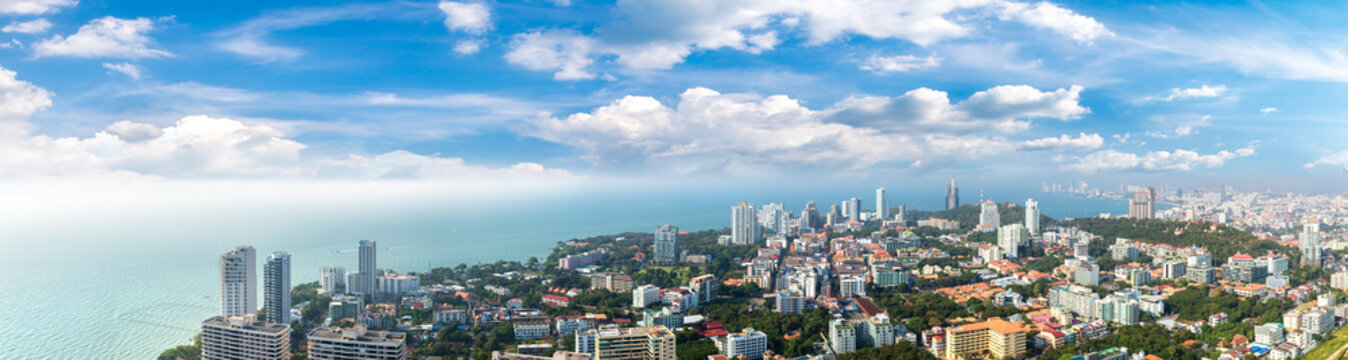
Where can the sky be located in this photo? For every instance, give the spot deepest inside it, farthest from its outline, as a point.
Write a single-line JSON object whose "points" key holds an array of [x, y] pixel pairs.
{"points": [[543, 91]]}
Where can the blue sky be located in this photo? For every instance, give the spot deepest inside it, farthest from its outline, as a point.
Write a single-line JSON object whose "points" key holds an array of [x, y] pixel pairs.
{"points": [[1193, 92]]}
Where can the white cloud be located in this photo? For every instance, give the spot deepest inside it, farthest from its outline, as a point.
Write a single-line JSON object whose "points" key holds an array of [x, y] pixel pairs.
{"points": [[899, 63], [1267, 110], [563, 51], [468, 47], [1155, 161], [470, 17], [36, 26], [661, 34], [1258, 53], [1181, 128], [131, 70], [1083, 141], [252, 38], [108, 37], [562, 2], [1065, 22], [1337, 160], [198, 147], [1004, 108], [1204, 91], [34, 7], [711, 132]]}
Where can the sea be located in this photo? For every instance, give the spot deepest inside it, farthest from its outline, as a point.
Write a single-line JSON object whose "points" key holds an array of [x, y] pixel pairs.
{"points": [[126, 275]]}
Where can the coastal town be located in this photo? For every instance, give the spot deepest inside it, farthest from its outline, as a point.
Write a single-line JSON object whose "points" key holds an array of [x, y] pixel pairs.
{"points": [[1199, 274]]}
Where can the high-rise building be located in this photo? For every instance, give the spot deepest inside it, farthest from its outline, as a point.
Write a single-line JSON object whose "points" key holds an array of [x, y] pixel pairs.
{"points": [[357, 343], [809, 218], [238, 282], [611, 343], [666, 243], [852, 209], [989, 219], [367, 269], [748, 344], [1311, 253], [744, 224], [852, 286], [952, 195], [645, 295], [775, 218], [842, 336], [244, 338], [332, 279], [276, 274], [1032, 217], [881, 204], [835, 215], [1143, 204], [1009, 238]]}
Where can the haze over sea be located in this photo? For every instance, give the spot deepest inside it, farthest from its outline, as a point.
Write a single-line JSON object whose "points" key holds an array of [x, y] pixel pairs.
{"points": [[141, 266]]}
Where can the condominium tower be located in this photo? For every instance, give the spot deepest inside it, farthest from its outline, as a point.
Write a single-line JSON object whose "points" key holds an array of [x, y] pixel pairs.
{"points": [[365, 276], [952, 195], [744, 224], [238, 282], [244, 338], [881, 204], [1032, 217], [276, 287], [666, 243]]}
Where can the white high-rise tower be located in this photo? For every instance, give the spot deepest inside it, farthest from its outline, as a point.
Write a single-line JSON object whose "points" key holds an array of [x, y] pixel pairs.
{"points": [[744, 224], [666, 243], [881, 204], [365, 276], [238, 282], [276, 275], [1032, 217]]}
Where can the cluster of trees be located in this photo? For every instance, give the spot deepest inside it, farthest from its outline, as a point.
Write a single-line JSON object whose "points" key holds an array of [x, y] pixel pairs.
{"points": [[1151, 338], [1221, 240], [923, 310], [1197, 303], [899, 351], [736, 314]]}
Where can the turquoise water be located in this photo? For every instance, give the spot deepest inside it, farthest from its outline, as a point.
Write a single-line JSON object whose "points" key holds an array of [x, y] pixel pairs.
{"points": [[129, 280]]}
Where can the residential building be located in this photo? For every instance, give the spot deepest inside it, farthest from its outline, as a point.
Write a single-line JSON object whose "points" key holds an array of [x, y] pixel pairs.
{"points": [[1310, 245], [705, 286], [645, 295], [662, 317], [852, 286], [1009, 239], [356, 343], [952, 195], [789, 302], [842, 337], [610, 343], [244, 338], [364, 281], [744, 224], [1175, 270], [1339, 280], [1201, 275], [749, 344], [666, 243], [1270, 333], [989, 219], [394, 284], [276, 285], [1087, 274], [881, 204], [238, 282], [1317, 322], [1143, 204], [332, 279], [852, 209], [994, 339], [1032, 217], [573, 262]]}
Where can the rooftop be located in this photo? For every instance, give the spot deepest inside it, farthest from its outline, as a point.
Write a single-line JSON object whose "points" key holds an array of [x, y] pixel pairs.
{"points": [[246, 323], [358, 333]]}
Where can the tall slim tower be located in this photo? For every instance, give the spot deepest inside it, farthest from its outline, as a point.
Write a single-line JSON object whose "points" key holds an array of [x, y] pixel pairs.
{"points": [[238, 282], [952, 195], [881, 204], [367, 268], [809, 218], [1032, 217], [852, 209], [666, 243], [1311, 254], [744, 224], [277, 287], [1009, 239], [1143, 204]]}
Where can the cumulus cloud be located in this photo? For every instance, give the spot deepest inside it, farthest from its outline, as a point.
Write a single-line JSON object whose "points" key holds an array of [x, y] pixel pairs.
{"points": [[1155, 161], [565, 52], [1334, 161], [711, 132], [130, 70], [469, 17], [468, 47], [661, 34], [1267, 110], [1083, 141], [197, 147], [899, 63], [36, 26], [106, 37], [1005, 108], [34, 7], [1204, 91]]}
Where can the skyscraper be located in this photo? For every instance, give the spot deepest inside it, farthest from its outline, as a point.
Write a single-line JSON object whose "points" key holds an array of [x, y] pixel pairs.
{"points": [[666, 243], [835, 215], [952, 195], [276, 287], [1032, 217], [989, 218], [852, 209], [744, 224], [1009, 238], [1143, 204], [809, 218], [332, 279], [881, 204], [238, 282], [1311, 253], [775, 218], [366, 270]]}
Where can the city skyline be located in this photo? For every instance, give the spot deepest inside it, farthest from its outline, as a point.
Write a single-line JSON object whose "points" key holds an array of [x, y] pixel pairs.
{"points": [[1006, 93]]}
